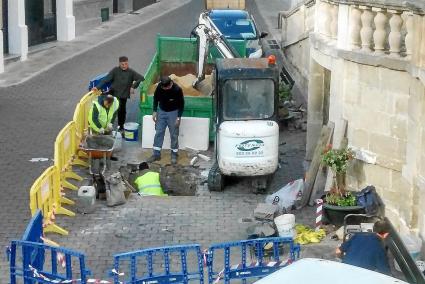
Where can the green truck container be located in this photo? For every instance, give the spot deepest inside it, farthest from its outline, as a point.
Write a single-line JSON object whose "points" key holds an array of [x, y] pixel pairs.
{"points": [[179, 56]]}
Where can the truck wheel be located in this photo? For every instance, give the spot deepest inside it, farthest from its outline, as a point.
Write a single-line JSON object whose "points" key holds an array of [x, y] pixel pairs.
{"points": [[215, 179]]}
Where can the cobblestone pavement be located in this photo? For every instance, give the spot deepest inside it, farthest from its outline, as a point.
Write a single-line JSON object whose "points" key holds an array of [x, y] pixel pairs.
{"points": [[32, 113], [207, 218]]}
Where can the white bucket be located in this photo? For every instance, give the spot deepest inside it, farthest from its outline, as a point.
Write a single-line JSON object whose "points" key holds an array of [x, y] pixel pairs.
{"points": [[131, 131], [285, 225], [413, 245]]}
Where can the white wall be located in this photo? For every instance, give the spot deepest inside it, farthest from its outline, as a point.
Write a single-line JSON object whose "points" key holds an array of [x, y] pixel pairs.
{"points": [[65, 20], [18, 31]]}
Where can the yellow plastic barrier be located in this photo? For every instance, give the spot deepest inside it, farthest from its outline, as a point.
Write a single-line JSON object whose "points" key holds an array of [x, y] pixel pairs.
{"points": [[66, 157], [81, 113], [45, 195], [81, 118], [46, 192]]}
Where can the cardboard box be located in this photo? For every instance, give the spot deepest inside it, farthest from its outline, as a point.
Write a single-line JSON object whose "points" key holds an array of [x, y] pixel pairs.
{"points": [[225, 4]]}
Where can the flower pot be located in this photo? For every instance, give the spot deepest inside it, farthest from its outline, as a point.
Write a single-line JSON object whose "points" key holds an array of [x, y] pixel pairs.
{"points": [[335, 214]]}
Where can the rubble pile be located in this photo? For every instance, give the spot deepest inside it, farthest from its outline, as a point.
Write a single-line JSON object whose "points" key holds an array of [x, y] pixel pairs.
{"points": [[185, 82]]}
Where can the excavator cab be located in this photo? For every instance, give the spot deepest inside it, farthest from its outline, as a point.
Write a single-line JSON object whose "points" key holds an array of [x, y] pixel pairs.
{"points": [[247, 131]]}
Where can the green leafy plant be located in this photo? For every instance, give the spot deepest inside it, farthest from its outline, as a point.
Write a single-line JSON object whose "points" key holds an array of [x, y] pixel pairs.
{"points": [[337, 159], [345, 199], [284, 92]]}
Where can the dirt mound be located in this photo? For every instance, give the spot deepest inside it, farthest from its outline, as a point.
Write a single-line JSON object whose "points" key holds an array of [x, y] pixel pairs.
{"points": [[185, 82]]}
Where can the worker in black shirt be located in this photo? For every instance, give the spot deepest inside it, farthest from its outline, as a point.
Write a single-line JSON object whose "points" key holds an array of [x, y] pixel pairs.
{"points": [[123, 81], [169, 96]]}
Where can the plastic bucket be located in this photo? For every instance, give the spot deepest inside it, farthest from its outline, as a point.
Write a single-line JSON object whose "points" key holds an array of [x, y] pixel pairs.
{"points": [[131, 131], [285, 225]]}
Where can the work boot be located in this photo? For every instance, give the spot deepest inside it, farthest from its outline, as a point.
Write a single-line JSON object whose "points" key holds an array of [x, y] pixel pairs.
{"points": [[173, 158], [153, 158]]}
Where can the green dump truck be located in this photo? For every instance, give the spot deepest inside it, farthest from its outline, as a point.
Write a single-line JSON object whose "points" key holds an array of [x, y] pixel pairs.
{"points": [[179, 56]]}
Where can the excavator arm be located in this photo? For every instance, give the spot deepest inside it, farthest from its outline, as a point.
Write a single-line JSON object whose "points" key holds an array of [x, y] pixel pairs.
{"points": [[207, 33]]}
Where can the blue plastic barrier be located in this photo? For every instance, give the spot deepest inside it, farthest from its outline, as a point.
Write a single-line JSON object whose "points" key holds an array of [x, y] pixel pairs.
{"points": [[31, 261], [265, 255], [21, 266], [34, 230], [166, 276], [93, 82], [33, 233], [27, 257]]}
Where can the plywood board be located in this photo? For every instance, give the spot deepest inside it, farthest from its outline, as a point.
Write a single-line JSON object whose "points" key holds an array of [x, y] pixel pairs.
{"points": [[324, 139], [194, 133], [322, 172], [225, 4]]}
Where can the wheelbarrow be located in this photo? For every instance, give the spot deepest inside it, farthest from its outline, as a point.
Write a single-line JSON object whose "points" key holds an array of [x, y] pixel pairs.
{"points": [[356, 223], [98, 147]]}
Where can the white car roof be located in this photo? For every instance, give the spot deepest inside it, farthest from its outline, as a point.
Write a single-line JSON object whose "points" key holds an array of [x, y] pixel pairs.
{"points": [[320, 271]]}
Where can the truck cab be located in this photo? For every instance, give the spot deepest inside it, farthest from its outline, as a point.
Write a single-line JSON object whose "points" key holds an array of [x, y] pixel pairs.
{"points": [[238, 25]]}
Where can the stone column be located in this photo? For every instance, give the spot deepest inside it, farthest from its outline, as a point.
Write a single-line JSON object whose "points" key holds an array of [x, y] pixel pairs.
{"points": [[418, 56], [65, 20], [409, 36], [355, 27], [334, 22], [394, 37], [326, 24], [380, 33], [315, 107], [366, 31], [343, 26], [18, 31], [317, 16]]}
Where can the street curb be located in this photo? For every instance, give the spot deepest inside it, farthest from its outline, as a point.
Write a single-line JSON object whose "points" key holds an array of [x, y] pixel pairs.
{"points": [[97, 44]]}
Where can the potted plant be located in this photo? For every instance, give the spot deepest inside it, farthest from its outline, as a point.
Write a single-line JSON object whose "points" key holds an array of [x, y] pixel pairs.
{"points": [[338, 201]]}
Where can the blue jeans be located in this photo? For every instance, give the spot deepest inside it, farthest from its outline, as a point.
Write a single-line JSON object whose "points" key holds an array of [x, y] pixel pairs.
{"points": [[164, 120]]}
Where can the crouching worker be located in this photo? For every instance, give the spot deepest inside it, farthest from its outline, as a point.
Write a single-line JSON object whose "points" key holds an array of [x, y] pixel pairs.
{"points": [[103, 114], [367, 249], [148, 182]]}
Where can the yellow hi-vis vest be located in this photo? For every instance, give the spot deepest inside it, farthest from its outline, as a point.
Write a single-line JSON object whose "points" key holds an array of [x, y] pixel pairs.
{"points": [[104, 116], [148, 184]]}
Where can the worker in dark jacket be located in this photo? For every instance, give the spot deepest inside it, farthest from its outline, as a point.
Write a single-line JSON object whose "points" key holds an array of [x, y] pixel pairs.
{"points": [[168, 106], [103, 113], [367, 250], [123, 81]]}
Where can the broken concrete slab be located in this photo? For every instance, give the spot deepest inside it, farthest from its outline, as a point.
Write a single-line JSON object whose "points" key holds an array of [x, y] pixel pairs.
{"points": [[265, 211]]}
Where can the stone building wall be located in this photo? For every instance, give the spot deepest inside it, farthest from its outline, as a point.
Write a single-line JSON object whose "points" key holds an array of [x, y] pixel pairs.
{"points": [[376, 60], [88, 14], [296, 26]]}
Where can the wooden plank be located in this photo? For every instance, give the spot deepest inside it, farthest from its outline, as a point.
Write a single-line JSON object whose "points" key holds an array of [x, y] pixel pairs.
{"points": [[320, 180], [325, 135], [321, 177]]}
